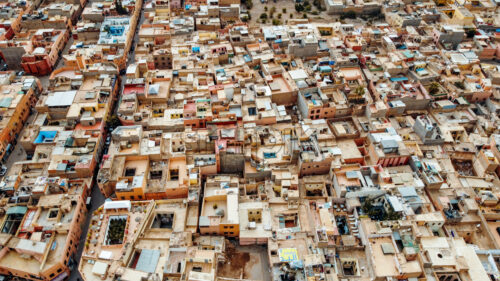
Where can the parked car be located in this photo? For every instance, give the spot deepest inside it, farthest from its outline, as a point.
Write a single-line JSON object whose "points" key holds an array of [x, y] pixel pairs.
{"points": [[3, 171]]}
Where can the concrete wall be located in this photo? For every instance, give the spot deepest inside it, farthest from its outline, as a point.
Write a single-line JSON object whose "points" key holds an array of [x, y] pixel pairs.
{"points": [[231, 163]]}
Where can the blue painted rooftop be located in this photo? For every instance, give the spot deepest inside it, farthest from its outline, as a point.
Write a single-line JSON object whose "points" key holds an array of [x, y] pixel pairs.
{"points": [[45, 136]]}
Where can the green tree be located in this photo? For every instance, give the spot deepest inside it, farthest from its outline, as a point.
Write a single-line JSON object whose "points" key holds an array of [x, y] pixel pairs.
{"points": [[263, 16], [249, 4], [299, 8], [434, 88], [113, 121], [470, 33], [317, 3], [360, 90], [459, 84], [284, 10], [265, 8], [367, 206], [120, 9]]}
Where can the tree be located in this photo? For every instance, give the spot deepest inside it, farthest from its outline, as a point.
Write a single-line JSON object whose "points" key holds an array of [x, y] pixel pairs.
{"points": [[279, 16], [434, 88], [304, 16], [263, 16], [265, 8], [299, 8], [470, 33], [392, 216], [113, 121], [460, 85], [367, 205], [360, 90], [276, 22], [284, 10], [317, 3], [248, 3], [120, 9]]}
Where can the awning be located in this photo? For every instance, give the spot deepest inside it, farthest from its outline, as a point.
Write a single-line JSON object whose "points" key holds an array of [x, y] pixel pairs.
{"points": [[125, 204], [18, 210]]}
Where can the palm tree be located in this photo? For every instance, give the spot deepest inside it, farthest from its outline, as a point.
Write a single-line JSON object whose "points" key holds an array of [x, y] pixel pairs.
{"points": [[434, 88], [360, 90]]}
